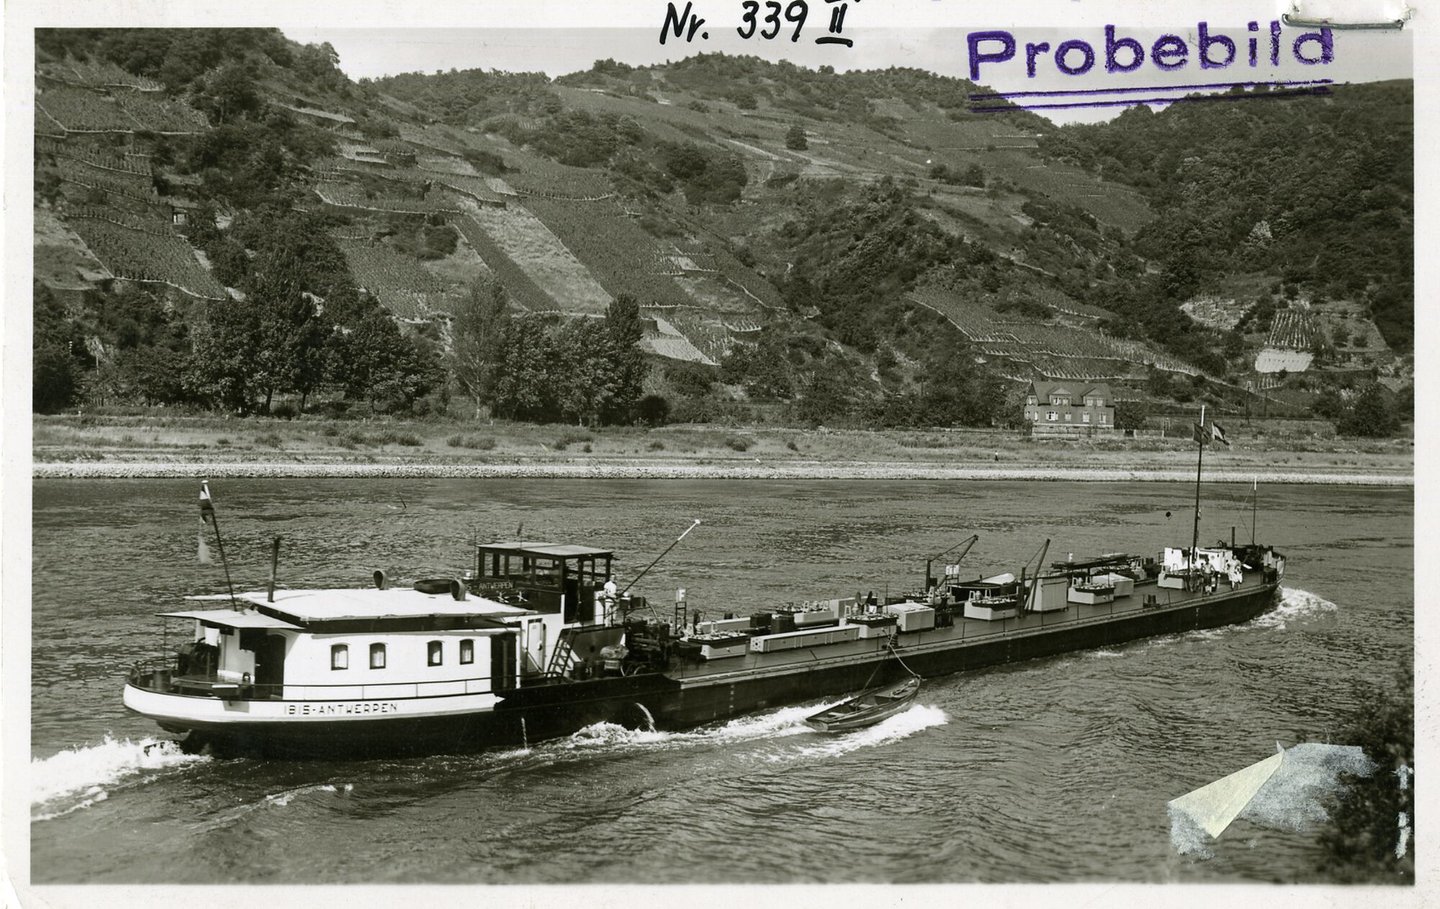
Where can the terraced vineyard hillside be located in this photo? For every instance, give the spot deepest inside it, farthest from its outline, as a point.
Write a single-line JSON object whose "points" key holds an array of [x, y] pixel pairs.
{"points": [[1022, 348], [561, 238], [782, 224]]}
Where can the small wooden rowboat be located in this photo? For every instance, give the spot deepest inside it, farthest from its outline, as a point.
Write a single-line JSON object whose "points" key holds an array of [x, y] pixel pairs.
{"points": [[866, 708]]}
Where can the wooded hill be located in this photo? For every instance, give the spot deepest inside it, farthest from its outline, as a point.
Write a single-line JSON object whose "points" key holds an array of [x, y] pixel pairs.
{"points": [[784, 242]]}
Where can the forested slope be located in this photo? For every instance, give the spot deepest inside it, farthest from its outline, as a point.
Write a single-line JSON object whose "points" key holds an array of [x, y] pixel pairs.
{"points": [[760, 239]]}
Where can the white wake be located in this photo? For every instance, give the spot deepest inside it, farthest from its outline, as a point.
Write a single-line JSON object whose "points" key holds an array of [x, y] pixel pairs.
{"points": [[78, 777], [893, 729], [778, 724], [1294, 604]]}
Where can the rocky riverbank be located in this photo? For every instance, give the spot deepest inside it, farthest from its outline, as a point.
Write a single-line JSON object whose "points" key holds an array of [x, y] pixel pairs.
{"points": [[658, 470], [158, 446]]}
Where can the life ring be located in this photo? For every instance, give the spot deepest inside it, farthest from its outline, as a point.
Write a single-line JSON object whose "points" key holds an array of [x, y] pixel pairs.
{"points": [[433, 585]]}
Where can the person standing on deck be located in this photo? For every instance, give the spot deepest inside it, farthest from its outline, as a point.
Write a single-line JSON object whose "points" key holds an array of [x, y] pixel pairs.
{"points": [[609, 593]]}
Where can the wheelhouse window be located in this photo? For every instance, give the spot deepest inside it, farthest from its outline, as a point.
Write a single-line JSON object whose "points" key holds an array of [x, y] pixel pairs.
{"points": [[434, 653], [377, 656], [339, 656], [467, 651]]}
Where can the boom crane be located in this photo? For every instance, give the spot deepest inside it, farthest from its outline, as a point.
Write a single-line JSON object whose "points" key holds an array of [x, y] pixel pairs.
{"points": [[967, 543]]}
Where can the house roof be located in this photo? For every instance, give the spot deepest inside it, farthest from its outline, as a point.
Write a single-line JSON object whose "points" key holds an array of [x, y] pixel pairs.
{"points": [[1076, 390]]}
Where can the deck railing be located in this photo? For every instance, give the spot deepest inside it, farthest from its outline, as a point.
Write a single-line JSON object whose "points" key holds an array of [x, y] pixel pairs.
{"points": [[159, 675]]}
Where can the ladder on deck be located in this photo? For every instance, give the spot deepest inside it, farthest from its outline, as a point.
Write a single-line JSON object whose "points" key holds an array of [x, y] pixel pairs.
{"points": [[562, 658]]}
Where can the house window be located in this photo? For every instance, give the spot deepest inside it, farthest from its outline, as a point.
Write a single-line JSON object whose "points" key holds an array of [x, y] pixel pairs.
{"points": [[1102, 418], [1085, 417], [1067, 416], [1050, 416], [377, 656], [434, 653], [339, 656], [467, 651]]}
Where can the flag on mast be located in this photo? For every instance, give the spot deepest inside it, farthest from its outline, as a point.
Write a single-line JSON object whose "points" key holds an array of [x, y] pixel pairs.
{"points": [[207, 514], [1201, 435], [1218, 433]]}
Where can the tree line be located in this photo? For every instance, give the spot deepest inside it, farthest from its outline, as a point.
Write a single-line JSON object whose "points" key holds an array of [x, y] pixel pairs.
{"points": [[301, 331], [547, 369]]}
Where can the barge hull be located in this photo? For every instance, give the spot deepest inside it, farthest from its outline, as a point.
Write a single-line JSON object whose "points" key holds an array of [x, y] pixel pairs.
{"points": [[701, 703], [706, 700], [616, 701], [530, 714]]}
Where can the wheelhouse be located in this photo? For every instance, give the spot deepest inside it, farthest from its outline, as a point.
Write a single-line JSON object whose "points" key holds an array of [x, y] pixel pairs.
{"points": [[548, 578]]}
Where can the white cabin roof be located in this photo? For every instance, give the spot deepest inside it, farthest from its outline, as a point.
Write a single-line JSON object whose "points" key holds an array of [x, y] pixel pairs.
{"points": [[554, 550], [230, 618], [370, 603]]}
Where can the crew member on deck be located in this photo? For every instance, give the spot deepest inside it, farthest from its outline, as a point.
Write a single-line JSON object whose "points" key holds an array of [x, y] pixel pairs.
{"points": [[609, 593]]}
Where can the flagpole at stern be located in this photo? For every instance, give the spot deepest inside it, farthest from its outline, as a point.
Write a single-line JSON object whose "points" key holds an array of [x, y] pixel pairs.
{"points": [[1254, 501], [207, 514]]}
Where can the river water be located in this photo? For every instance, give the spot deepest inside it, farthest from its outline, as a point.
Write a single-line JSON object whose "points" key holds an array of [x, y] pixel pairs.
{"points": [[1053, 770]]}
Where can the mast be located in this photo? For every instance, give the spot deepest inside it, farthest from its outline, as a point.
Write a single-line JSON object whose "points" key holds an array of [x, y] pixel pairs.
{"points": [[1199, 458], [1254, 503]]}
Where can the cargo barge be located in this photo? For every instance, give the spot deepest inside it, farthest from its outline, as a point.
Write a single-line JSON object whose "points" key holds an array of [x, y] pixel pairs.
{"points": [[538, 641]]}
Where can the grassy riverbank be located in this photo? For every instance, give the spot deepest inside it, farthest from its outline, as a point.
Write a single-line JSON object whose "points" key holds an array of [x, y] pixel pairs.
{"points": [[149, 445]]}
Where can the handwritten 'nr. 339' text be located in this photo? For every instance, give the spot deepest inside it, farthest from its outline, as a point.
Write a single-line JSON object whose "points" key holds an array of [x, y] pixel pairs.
{"points": [[765, 19]]}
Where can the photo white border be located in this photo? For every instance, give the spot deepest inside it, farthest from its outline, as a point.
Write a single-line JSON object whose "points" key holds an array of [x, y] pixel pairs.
{"points": [[22, 16]]}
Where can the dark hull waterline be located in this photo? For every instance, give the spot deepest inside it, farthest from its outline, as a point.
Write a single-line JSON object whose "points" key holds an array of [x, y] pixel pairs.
{"points": [[531, 714]]}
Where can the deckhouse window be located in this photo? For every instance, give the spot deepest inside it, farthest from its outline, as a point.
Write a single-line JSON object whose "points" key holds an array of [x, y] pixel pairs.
{"points": [[339, 656], [467, 651], [377, 656], [434, 653]]}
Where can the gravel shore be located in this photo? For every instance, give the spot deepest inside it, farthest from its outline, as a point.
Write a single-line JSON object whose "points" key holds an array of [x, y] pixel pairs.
{"points": [[718, 470]]}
